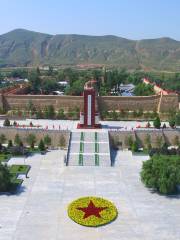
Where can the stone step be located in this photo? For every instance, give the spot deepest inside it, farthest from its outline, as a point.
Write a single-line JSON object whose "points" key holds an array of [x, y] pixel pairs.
{"points": [[93, 148]]}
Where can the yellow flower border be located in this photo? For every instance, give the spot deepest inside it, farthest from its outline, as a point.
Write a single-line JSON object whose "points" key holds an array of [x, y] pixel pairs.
{"points": [[107, 216]]}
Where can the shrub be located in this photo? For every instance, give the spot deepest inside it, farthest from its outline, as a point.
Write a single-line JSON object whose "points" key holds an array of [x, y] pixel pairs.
{"points": [[61, 114], [161, 173], [10, 144], [47, 140], [6, 122], [2, 138], [129, 141], [62, 141], [177, 119], [157, 122], [17, 140], [159, 142], [41, 145], [5, 178], [50, 112], [172, 123], [135, 146], [114, 115], [31, 140], [147, 141], [39, 114]]}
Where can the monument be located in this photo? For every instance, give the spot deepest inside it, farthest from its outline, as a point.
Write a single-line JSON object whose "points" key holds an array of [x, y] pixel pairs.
{"points": [[89, 118]]}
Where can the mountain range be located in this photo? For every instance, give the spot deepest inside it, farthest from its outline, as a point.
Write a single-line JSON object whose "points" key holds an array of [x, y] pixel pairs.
{"points": [[21, 47]]}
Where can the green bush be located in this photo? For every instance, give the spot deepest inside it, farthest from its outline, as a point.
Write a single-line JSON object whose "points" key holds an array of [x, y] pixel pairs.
{"points": [[177, 119], [135, 146], [10, 144], [172, 122], [157, 122], [2, 138], [6, 122], [162, 173], [62, 141], [5, 178], [17, 140], [61, 114], [47, 140], [41, 145], [31, 140], [129, 141]]}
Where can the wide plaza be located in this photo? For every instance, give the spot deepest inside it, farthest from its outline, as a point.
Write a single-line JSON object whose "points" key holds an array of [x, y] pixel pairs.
{"points": [[72, 125], [39, 209]]}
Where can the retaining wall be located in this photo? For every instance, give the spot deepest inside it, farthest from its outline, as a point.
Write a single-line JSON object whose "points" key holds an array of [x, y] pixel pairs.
{"points": [[167, 135], [10, 133]]}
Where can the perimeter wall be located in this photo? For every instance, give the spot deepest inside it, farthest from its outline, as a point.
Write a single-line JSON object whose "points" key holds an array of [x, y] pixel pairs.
{"points": [[145, 103]]}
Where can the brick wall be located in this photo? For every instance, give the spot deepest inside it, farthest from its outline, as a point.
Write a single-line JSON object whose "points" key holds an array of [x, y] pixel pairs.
{"points": [[10, 133], [147, 103], [167, 135]]}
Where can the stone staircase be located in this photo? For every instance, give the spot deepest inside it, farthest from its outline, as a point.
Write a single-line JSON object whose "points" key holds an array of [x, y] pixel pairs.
{"points": [[89, 149]]}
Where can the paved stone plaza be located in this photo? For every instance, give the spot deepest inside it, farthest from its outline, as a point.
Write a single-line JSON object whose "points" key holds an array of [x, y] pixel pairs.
{"points": [[72, 125], [39, 210]]}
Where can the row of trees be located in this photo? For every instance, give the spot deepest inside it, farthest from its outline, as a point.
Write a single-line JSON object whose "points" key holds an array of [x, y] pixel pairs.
{"points": [[159, 145], [48, 112], [174, 121], [106, 80], [118, 115], [46, 80], [31, 141], [142, 89]]}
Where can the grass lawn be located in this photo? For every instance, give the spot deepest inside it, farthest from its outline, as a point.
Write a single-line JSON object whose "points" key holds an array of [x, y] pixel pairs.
{"points": [[19, 169], [4, 157], [15, 182], [15, 170]]}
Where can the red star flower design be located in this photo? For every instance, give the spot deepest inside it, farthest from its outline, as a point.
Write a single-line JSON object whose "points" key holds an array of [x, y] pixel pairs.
{"points": [[91, 210]]}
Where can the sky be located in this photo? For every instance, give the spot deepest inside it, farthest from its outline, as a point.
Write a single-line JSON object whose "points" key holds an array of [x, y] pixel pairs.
{"points": [[133, 19]]}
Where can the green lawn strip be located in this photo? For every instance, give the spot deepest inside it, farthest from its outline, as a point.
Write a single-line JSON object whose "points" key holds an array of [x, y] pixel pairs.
{"points": [[96, 136], [15, 182], [19, 169], [96, 147], [82, 136], [96, 160], [15, 170], [80, 160], [81, 147], [5, 157]]}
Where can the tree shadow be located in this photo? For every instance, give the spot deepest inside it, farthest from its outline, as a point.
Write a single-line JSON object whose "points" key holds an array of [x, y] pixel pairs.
{"points": [[19, 190], [113, 156], [175, 195], [111, 127]]}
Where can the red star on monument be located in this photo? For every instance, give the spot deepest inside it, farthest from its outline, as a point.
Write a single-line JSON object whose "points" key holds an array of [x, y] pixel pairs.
{"points": [[91, 210]]}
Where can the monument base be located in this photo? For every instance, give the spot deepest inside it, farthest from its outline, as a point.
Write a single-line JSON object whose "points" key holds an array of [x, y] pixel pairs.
{"points": [[82, 126]]}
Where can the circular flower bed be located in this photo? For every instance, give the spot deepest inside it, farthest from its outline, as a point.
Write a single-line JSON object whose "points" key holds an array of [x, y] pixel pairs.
{"points": [[92, 211]]}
